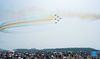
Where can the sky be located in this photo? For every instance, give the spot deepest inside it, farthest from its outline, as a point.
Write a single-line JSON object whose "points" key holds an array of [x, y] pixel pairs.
{"points": [[68, 32]]}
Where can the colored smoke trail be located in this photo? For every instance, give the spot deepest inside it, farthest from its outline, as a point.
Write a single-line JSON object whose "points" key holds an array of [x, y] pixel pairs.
{"points": [[18, 23]]}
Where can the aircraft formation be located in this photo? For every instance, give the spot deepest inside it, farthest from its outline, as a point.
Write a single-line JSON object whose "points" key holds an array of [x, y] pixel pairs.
{"points": [[57, 18]]}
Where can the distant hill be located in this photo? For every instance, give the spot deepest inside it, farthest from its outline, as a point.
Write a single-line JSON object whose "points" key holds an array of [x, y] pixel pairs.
{"points": [[56, 50], [71, 49]]}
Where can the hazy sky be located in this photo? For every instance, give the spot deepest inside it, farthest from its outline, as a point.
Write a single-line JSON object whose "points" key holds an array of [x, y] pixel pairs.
{"points": [[69, 32]]}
